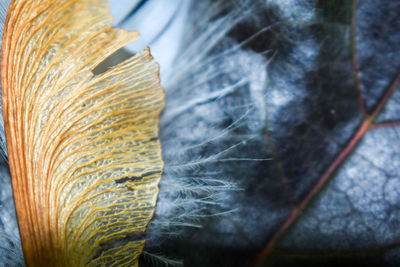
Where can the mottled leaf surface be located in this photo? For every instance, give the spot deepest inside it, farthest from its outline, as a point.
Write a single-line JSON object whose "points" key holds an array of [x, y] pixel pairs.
{"points": [[337, 139]]}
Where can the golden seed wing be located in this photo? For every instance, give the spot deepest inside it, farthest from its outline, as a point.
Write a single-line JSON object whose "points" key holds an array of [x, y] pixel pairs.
{"points": [[84, 153]]}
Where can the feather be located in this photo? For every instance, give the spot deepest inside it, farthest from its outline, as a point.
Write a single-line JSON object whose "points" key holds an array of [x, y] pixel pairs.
{"points": [[214, 117]]}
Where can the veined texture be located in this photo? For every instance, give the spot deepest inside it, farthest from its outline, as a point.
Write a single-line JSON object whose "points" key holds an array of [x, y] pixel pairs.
{"points": [[84, 154]]}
